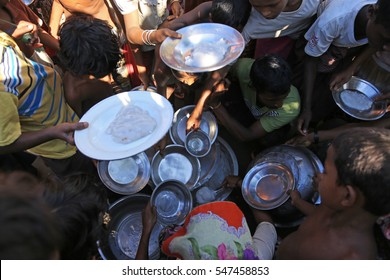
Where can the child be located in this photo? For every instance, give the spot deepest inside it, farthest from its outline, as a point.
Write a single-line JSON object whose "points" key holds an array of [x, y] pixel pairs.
{"points": [[354, 190], [265, 86], [276, 24], [340, 28], [87, 62]]}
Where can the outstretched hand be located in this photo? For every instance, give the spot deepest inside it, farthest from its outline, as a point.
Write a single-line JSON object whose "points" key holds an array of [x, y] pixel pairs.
{"points": [[163, 33], [193, 122], [149, 218], [304, 121], [28, 33], [65, 131]]}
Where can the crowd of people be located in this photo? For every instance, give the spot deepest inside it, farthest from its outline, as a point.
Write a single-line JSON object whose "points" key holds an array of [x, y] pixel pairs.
{"points": [[58, 58]]}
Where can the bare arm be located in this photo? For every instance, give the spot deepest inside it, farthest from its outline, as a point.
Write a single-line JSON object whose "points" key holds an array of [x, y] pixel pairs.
{"points": [[28, 140], [149, 218], [193, 121], [200, 12], [310, 75], [255, 131], [344, 76], [56, 13], [134, 31], [304, 206]]}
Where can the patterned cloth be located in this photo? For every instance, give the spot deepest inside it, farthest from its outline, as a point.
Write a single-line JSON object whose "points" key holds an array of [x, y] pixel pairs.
{"points": [[214, 231], [31, 99]]}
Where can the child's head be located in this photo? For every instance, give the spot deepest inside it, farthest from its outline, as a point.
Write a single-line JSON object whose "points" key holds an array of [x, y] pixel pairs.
{"points": [[362, 160], [234, 13], [378, 26], [88, 46], [271, 77], [187, 77], [269, 9]]}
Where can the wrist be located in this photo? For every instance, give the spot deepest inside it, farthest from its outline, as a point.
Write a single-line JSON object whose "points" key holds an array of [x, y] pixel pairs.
{"points": [[316, 137]]}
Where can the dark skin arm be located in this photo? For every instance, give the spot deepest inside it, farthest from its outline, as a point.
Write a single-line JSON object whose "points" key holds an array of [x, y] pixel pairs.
{"points": [[304, 206], [27, 140], [255, 131], [194, 120], [149, 218], [310, 75]]}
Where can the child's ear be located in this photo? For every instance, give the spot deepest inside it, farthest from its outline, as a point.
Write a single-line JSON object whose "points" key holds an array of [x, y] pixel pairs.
{"points": [[350, 196]]}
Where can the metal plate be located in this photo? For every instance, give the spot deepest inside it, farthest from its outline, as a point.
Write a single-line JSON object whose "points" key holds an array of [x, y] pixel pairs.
{"points": [[209, 164], [357, 99], [226, 164], [177, 131], [96, 143], [125, 228], [266, 184], [203, 47], [308, 164], [175, 163], [125, 176], [173, 202]]}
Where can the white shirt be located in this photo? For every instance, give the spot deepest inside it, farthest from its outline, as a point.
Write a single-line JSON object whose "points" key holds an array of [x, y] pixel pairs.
{"points": [[287, 23], [151, 13], [335, 25]]}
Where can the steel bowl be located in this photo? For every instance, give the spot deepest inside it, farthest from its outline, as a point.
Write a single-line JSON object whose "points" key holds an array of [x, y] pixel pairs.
{"points": [[198, 143], [267, 184], [175, 163], [287, 215], [203, 47], [124, 229], [173, 202], [125, 176], [177, 131], [357, 99]]}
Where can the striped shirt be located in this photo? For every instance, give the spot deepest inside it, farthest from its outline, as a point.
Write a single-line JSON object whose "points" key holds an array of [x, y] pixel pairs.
{"points": [[31, 99]]}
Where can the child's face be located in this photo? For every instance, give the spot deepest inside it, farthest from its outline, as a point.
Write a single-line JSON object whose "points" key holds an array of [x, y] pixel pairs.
{"points": [[327, 181], [271, 101], [377, 34], [269, 9], [185, 78]]}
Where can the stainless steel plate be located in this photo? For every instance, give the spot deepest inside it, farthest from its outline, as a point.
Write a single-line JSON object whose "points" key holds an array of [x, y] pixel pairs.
{"points": [[125, 228], [203, 47], [173, 202], [266, 184], [357, 99], [125, 176], [175, 163], [226, 164], [177, 131]]}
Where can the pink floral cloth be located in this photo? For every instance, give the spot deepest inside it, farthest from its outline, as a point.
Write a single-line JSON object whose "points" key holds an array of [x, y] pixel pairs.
{"points": [[215, 231]]}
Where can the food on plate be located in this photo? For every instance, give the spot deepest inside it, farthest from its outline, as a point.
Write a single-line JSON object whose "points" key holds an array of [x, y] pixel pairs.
{"points": [[356, 100], [130, 124], [206, 54]]}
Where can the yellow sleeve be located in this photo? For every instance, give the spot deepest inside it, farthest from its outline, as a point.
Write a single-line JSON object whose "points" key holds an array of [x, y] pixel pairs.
{"points": [[9, 119]]}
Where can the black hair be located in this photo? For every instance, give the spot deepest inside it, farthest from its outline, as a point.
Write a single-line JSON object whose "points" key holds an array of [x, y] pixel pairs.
{"points": [[234, 13], [362, 160], [382, 13], [79, 202], [271, 74], [28, 229], [88, 46]]}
